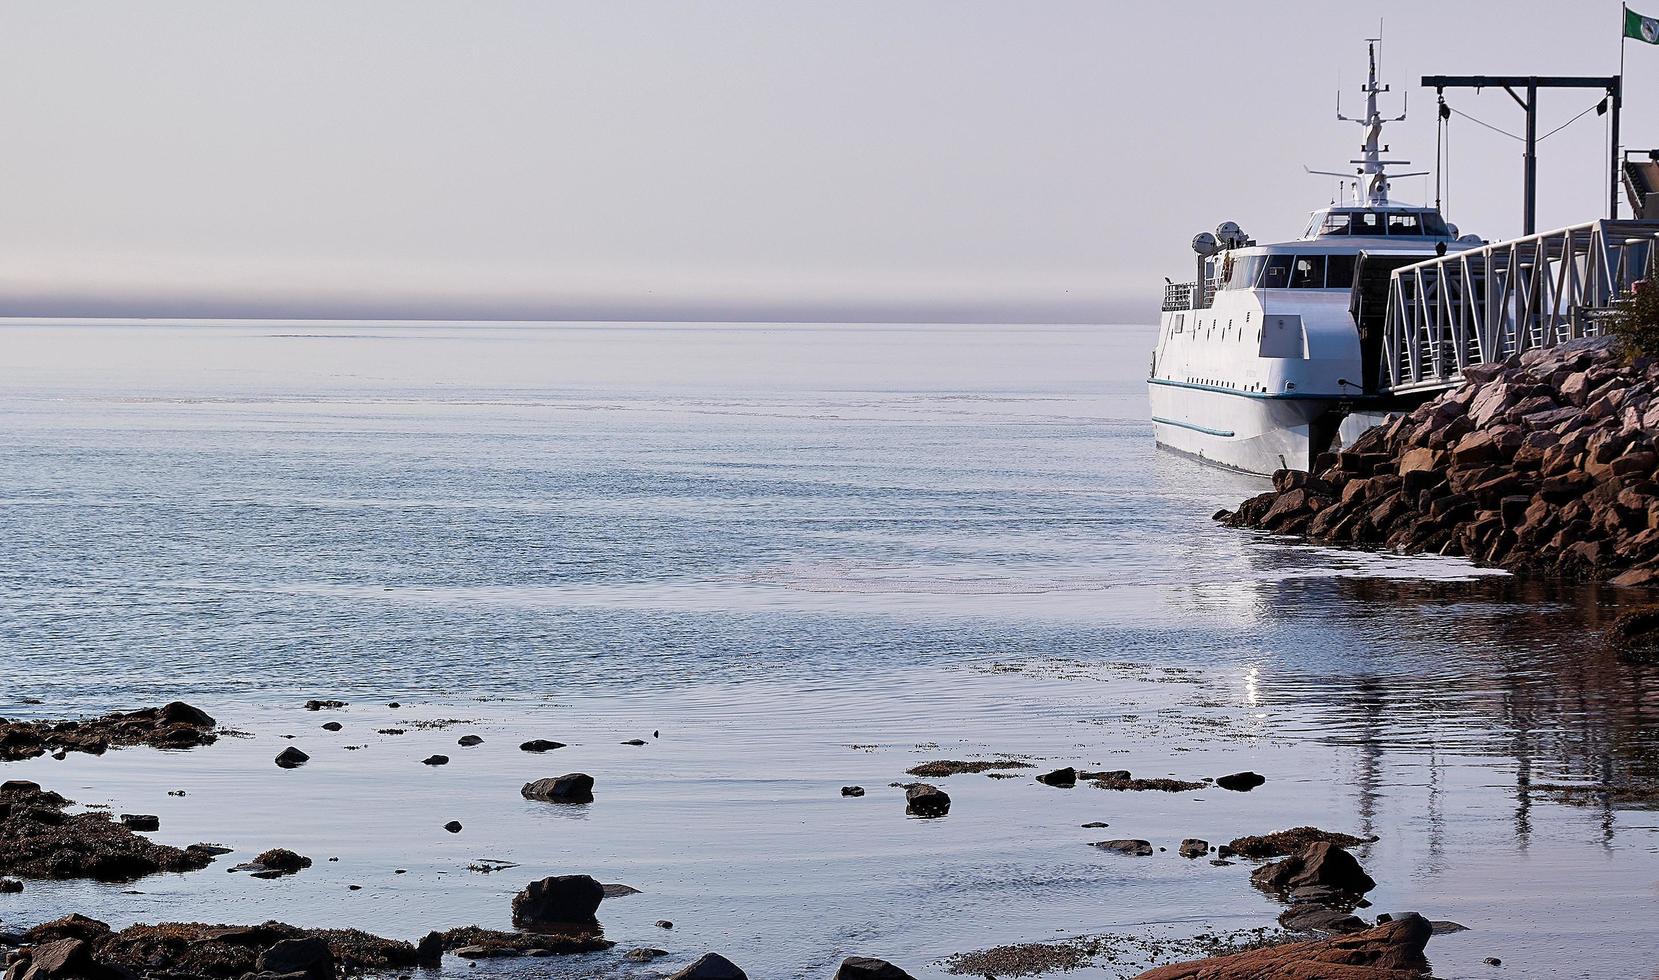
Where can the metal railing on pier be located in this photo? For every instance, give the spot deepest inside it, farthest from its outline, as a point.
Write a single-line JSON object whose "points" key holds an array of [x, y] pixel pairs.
{"points": [[1488, 303]]}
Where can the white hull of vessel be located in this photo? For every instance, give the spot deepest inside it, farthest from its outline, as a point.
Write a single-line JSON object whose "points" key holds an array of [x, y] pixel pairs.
{"points": [[1254, 434]]}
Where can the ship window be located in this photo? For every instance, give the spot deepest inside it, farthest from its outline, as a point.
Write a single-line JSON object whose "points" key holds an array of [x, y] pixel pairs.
{"points": [[1367, 223], [1434, 224], [1404, 223], [1180, 320], [1339, 271], [1276, 274], [1308, 272], [1245, 271], [1337, 223]]}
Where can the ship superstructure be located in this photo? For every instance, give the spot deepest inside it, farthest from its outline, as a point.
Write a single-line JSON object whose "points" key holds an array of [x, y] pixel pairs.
{"points": [[1270, 347]]}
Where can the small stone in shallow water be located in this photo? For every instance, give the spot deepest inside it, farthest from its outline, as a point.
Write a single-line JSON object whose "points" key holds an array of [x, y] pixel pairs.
{"points": [[1194, 847], [10, 886], [644, 954], [923, 800], [332, 726], [541, 745], [1066, 778], [852, 791], [1240, 782], [292, 758], [320, 705], [393, 704], [1094, 825], [176, 792], [634, 741], [573, 787], [664, 924], [454, 826], [435, 760], [470, 740], [1492, 961]]}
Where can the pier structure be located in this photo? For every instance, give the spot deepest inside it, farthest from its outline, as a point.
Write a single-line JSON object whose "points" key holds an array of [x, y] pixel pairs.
{"points": [[1485, 304]]}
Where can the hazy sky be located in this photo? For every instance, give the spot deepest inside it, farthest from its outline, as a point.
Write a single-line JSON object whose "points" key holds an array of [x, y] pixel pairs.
{"points": [[718, 159]]}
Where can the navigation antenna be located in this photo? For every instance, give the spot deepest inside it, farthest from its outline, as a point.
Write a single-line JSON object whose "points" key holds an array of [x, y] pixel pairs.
{"points": [[1371, 189]]}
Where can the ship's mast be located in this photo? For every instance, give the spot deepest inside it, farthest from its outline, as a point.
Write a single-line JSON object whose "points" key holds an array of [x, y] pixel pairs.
{"points": [[1371, 190]]}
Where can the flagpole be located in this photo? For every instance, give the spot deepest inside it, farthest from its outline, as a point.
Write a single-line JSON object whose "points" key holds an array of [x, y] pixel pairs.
{"points": [[1618, 104]]}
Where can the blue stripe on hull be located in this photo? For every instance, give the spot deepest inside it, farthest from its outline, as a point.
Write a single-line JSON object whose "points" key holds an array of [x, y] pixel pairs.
{"points": [[1223, 433], [1266, 395]]}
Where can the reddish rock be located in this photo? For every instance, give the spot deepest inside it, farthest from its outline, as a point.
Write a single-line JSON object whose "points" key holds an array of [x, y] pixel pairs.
{"points": [[1391, 951]]}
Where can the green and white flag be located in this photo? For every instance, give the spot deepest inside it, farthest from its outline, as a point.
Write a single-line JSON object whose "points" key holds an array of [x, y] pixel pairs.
{"points": [[1641, 28]]}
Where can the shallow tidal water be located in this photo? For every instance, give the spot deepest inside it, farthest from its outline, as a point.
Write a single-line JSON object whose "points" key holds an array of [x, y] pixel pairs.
{"points": [[807, 557]]}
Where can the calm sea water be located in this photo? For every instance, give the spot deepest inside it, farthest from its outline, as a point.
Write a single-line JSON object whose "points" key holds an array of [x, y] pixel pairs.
{"points": [[807, 556]]}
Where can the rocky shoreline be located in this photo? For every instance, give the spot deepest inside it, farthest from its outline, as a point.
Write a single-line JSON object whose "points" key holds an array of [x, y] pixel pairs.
{"points": [[1310, 871], [1544, 464]]}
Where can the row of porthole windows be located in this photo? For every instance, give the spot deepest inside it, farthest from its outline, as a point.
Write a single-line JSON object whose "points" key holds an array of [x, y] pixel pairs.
{"points": [[1209, 329], [1213, 383]]}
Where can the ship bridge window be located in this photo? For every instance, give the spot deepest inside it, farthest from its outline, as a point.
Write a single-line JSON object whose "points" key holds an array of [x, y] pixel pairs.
{"points": [[1307, 272], [1405, 223], [1276, 274], [1337, 223], [1244, 272], [1339, 271], [1367, 223], [1434, 224]]}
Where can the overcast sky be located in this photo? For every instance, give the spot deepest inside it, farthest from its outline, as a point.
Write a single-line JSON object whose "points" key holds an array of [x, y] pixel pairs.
{"points": [[837, 159]]}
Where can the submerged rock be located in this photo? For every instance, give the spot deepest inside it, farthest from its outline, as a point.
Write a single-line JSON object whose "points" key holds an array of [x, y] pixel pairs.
{"points": [[1123, 781], [275, 863], [950, 767], [320, 705], [852, 791], [1283, 842], [1392, 951], [468, 741], [574, 787], [1138, 848], [175, 725], [435, 760], [711, 966], [923, 800], [38, 839], [541, 745], [869, 968]]}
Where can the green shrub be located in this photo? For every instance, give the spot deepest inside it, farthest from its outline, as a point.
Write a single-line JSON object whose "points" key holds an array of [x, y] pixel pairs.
{"points": [[1634, 319]]}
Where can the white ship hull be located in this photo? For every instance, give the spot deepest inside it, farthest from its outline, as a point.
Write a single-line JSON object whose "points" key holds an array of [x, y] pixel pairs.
{"points": [[1250, 433]]}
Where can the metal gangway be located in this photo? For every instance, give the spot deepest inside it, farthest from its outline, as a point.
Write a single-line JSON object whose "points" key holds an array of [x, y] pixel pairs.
{"points": [[1488, 303]]}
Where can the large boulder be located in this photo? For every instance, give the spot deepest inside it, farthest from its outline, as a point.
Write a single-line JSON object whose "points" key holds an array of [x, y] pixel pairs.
{"points": [[558, 901], [1391, 951], [307, 957]]}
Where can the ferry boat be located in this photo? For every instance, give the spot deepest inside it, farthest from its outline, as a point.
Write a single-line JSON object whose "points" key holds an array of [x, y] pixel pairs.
{"points": [[1262, 358]]}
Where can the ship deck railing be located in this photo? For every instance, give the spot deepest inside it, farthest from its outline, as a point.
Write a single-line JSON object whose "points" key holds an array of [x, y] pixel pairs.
{"points": [[1489, 303]]}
